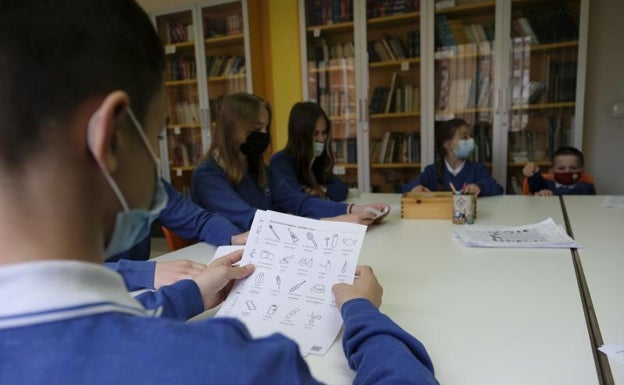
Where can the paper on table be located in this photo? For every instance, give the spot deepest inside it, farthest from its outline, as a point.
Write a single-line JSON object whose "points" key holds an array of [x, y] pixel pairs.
{"points": [[545, 234], [224, 250], [297, 260], [613, 201], [615, 352]]}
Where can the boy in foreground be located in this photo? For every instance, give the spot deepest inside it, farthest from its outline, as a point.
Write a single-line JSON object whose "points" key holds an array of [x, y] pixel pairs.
{"points": [[82, 104]]}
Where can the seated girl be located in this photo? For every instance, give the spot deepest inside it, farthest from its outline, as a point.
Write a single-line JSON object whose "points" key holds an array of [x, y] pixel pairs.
{"points": [[306, 163], [234, 181], [454, 168]]}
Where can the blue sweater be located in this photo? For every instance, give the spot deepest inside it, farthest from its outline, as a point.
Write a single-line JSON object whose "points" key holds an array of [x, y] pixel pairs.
{"points": [[212, 189], [186, 219], [473, 172], [538, 183], [282, 166], [96, 334]]}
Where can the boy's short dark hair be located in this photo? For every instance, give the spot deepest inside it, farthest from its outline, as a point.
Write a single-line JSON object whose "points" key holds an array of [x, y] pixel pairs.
{"points": [[55, 54], [568, 150]]}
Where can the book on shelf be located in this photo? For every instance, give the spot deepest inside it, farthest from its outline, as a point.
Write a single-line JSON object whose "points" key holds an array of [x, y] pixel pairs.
{"points": [[181, 68], [324, 12], [413, 44], [396, 147], [443, 4], [551, 24], [381, 8], [391, 93], [562, 81], [178, 32]]}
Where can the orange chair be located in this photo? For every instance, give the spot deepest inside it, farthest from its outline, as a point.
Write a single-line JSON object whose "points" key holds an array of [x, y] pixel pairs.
{"points": [[174, 241], [585, 177]]}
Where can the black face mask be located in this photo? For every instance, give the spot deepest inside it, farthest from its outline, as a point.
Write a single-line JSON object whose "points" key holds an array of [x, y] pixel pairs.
{"points": [[256, 144]]}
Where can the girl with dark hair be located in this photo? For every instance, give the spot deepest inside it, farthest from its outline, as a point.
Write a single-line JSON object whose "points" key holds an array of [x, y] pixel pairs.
{"points": [[306, 162], [455, 145], [234, 181]]}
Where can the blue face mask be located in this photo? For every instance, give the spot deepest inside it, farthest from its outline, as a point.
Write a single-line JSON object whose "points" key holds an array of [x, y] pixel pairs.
{"points": [[134, 225], [465, 147], [319, 147]]}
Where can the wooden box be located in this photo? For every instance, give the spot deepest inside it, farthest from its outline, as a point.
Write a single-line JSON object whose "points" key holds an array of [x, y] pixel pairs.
{"points": [[427, 205]]}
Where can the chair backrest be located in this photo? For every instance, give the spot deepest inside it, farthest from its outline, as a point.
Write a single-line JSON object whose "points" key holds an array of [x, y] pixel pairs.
{"points": [[585, 177], [174, 241]]}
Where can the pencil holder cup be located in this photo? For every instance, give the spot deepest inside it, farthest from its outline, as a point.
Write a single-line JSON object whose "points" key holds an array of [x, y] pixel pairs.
{"points": [[464, 209]]}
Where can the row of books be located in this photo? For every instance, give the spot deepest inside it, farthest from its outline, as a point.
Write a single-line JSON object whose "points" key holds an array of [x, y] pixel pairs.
{"points": [[337, 103], [178, 32], [225, 65], [524, 91], [344, 151], [187, 113], [526, 146], [321, 52], [381, 8], [453, 33], [549, 24], [396, 147], [443, 4], [181, 68], [184, 151], [397, 98], [230, 25], [471, 89], [323, 12], [390, 47], [482, 134]]}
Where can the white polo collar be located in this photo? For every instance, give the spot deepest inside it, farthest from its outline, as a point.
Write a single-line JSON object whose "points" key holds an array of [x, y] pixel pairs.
{"points": [[45, 291], [455, 171]]}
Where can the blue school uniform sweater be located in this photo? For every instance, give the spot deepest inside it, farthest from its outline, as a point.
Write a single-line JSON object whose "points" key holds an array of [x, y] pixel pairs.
{"points": [[282, 166], [186, 219], [87, 330], [473, 172], [212, 189], [538, 183]]}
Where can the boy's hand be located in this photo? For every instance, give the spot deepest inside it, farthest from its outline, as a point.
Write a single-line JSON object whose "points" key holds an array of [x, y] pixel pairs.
{"points": [[167, 273], [530, 169], [364, 286], [544, 193], [420, 188], [366, 218], [216, 281]]}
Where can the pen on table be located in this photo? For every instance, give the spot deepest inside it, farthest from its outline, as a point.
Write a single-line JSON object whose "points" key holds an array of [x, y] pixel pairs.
{"points": [[464, 187], [453, 188]]}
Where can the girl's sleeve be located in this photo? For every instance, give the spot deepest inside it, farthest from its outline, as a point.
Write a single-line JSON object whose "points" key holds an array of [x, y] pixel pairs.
{"points": [[486, 182], [212, 190]]}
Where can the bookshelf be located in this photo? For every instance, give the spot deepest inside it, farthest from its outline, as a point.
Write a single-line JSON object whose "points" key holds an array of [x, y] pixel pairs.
{"points": [[353, 52], [522, 94], [544, 61], [207, 53]]}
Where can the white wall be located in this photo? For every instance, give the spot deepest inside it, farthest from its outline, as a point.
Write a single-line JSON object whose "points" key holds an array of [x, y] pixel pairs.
{"points": [[603, 136]]}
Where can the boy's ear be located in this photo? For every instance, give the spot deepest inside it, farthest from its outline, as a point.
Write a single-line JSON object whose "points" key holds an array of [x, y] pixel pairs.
{"points": [[101, 130]]}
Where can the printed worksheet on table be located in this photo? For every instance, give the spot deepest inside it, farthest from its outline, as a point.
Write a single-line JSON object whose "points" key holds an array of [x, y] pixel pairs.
{"points": [[297, 260]]}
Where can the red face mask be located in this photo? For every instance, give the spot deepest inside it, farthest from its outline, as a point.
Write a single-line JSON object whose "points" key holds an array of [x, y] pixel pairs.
{"points": [[568, 178]]}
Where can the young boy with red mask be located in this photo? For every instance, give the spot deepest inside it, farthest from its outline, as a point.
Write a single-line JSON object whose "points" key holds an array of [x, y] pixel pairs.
{"points": [[567, 172]]}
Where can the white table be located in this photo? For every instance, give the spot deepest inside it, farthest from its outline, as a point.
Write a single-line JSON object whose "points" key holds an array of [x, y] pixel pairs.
{"points": [[601, 232], [486, 316]]}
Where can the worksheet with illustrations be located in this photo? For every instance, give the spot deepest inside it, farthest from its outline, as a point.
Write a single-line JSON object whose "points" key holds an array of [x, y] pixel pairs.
{"points": [[297, 260], [545, 234]]}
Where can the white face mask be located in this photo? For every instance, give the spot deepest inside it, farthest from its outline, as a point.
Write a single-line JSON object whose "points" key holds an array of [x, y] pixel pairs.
{"points": [[134, 225], [319, 147]]}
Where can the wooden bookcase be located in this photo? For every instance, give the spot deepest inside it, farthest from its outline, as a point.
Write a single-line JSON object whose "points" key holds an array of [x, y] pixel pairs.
{"points": [[523, 94], [207, 56]]}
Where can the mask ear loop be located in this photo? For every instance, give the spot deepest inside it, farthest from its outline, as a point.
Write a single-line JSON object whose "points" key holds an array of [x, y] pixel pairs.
{"points": [[109, 178]]}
